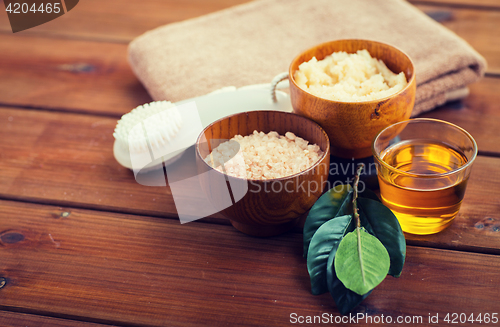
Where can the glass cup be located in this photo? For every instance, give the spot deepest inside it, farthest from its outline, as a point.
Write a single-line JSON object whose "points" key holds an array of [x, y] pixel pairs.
{"points": [[423, 166]]}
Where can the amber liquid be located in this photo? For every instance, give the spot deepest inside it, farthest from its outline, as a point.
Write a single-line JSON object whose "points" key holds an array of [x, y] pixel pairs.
{"points": [[425, 203]]}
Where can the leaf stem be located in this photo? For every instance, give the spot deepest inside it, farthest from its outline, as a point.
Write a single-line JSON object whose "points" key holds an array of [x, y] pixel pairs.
{"points": [[358, 230], [361, 166]]}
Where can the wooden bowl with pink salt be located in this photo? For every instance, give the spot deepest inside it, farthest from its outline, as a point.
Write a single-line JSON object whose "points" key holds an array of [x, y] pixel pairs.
{"points": [[263, 169]]}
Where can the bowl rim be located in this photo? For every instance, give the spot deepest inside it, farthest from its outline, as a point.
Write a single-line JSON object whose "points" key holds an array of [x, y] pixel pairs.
{"points": [[468, 164], [327, 150], [375, 101]]}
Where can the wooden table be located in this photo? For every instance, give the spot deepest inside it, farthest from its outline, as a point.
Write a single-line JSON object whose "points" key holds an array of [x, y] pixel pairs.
{"points": [[82, 244]]}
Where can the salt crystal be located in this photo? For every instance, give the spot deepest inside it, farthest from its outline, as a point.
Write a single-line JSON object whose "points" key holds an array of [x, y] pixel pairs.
{"points": [[266, 156]]}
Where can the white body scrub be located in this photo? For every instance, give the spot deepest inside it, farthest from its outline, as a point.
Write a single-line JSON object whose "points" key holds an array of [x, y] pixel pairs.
{"points": [[349, 77]]}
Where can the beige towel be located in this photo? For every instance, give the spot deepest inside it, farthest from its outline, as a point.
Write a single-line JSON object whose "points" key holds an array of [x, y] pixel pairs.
{"points": [[251, 43]]}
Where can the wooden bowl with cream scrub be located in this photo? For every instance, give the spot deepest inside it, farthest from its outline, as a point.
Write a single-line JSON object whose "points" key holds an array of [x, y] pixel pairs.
{"points": [[353, 89]]}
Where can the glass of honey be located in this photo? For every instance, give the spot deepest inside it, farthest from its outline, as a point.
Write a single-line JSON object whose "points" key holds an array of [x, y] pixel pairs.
{"points": [[423, 166]]}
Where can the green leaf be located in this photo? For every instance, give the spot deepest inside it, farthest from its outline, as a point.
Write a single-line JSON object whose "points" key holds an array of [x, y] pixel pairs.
{"points": [[386, 228], [327, 237], [346, 206], [344, 298], [325, 208], [346, 209], [369, 194], [361, 262]]}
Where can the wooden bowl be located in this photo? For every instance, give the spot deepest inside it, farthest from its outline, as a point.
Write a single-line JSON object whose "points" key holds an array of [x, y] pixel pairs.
{"points": [[263, 207], [351, 126]]}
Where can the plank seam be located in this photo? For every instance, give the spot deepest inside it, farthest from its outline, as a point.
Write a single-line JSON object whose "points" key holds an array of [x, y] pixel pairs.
{"points": [[70, 205], [52, 35], [488, 154], [75, 318], [455, 5], [416, 243], [62, 110], [492, 74], [458, 248]]}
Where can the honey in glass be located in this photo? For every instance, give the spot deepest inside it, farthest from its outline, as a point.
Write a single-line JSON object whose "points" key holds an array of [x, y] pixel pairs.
{"points": [[422, 177]]}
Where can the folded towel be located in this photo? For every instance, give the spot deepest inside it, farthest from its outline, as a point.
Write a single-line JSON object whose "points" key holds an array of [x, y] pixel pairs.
{"points": [[253, 42]]}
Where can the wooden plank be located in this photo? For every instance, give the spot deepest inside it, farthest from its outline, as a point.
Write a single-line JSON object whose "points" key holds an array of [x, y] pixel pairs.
{"points": [[59, 74], [155, 272], [105, 21], [482, 127], [66, 159], [484, 97], [120, 21], [477, 226], [474, 26], [14, 319], [478, 113], [94, 77]]}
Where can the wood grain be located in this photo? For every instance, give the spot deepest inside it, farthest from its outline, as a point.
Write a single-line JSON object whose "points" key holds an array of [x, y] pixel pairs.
{"points": [[40, 150], [68, 266], [473, 122], [484, 97], [155, 272], [475, 27], [478, 113], [15, 319], [264, 207], [120, 21], [95, 77], [66, 159], [351, 135], [478, 4], [478, 219], [68, 75]]}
